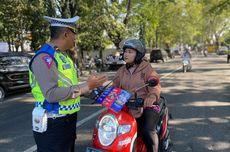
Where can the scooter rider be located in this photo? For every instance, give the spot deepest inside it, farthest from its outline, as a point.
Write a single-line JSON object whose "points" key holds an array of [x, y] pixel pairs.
{"points": [[186, 55], [133, 75]]}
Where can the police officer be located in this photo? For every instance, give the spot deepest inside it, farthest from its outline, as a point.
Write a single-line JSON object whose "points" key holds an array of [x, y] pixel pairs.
{"points": [[55, 87]]}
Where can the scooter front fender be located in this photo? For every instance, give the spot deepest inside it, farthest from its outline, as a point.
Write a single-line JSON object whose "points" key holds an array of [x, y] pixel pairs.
{"points": [[123, 142]]}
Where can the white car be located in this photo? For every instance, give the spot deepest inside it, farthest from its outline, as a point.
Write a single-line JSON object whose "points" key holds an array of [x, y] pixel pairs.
{"points": [[114, 61], [222, 50]]}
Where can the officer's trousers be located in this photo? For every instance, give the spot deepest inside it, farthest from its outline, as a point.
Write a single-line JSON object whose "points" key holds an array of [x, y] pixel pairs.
{"points": [[60, 135]]}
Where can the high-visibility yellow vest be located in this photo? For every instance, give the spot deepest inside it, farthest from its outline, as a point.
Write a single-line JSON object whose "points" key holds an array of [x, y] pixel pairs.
{"points": [[67, 76]]}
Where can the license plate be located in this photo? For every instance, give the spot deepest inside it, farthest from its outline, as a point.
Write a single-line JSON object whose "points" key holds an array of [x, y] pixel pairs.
{"points": [[90, 149]]}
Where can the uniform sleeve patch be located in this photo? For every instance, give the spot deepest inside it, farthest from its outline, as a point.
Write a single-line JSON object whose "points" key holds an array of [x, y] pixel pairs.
{"points": [[48, 60]]}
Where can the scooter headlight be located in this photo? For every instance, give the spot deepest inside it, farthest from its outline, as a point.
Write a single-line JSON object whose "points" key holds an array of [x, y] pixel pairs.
{"points": [[107, 130]]}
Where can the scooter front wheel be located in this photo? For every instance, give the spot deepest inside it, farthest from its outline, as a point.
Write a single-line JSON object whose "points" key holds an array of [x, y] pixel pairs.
{"points": [[184, 69]]}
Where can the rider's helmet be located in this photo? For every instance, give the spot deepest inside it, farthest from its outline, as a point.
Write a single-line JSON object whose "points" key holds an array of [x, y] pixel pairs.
{"points": [[136, 45]]}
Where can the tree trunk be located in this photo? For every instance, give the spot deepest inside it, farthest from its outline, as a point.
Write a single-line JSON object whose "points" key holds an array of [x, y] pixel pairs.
{"points": [[217, 41], [128, 12], [8, 41], [11, 42], [22, 46], [73, 8], [16, 47], [156, 38], [142, 33]]}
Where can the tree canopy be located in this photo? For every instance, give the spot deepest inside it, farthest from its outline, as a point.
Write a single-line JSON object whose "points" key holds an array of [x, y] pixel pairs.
{"points": [[108, 22]]}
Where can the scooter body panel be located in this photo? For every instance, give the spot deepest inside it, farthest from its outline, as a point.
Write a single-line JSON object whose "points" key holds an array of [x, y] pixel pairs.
{"points": [[140, 146], [117, 131]]}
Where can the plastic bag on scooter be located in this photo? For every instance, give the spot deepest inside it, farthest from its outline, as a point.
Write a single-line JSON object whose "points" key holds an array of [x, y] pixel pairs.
{"points": [[114, 98]]}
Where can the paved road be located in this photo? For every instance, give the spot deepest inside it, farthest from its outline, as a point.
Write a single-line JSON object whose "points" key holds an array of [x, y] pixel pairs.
{"points": [[199, 102]]}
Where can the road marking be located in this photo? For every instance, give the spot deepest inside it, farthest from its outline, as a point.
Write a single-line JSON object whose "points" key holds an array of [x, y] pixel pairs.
{"points": [[16, 98], [90, 117], [31, 149], [164, 76], [34, 148]]}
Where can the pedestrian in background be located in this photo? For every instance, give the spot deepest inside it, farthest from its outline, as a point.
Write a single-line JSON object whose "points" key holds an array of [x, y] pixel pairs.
{"points": [[55, 87]]}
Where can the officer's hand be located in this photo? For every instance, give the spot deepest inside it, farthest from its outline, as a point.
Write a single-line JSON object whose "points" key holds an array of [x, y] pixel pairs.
{"points": [[96, 80], [149, 101], [76, 93]]}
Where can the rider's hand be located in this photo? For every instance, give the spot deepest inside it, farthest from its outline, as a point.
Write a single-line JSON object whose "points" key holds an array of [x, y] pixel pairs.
{"points": [[149, 101], [96, 80]]}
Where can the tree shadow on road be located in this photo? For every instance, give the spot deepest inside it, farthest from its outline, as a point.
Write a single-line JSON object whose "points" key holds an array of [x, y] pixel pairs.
{"points": [[201, 115]]}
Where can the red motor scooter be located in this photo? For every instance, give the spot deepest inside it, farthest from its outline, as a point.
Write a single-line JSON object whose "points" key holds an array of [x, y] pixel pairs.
{"points": [[116, 129]]}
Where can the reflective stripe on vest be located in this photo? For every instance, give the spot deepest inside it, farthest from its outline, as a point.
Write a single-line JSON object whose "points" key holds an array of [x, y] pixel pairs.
{"points": [[71, 107], [61, 77], [66, 78], [33, 83]]}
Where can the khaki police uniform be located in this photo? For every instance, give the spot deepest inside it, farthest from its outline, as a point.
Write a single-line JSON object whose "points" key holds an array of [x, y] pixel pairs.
{"points": [[48, 78], [58, 93]]}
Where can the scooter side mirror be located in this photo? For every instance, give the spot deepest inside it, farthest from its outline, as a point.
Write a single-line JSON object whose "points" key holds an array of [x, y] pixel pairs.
{"points": [[152, 82]]}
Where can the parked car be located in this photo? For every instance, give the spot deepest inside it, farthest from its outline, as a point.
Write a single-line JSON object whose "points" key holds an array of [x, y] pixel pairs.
{"points": [[13, 72], [170, 54], [158, 54], [222, 50], [175, 51]]}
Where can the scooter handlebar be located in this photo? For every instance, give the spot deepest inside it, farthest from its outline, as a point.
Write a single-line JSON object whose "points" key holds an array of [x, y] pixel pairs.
{"points": [[95, 94], [139, 102], [135, 103]]}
